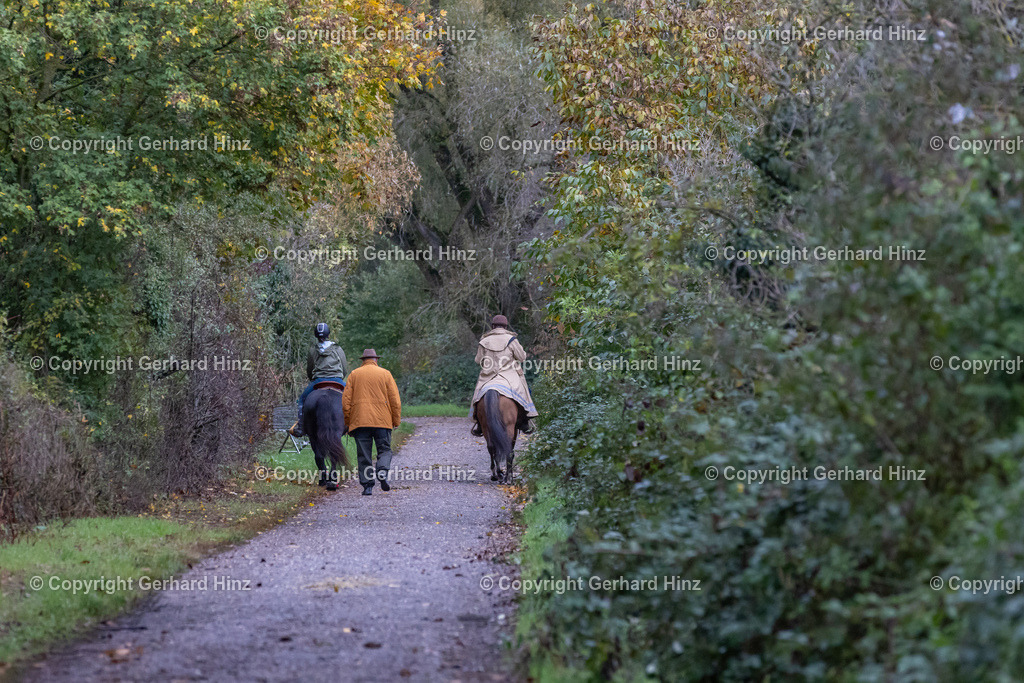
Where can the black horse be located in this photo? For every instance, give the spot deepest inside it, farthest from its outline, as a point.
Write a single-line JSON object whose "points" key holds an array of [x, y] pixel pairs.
{"points": [[324, 421], [498, 416]]}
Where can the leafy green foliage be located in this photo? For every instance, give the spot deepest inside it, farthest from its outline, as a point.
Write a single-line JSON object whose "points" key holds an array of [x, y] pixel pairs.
{"points": [[379, 306], [449, 377], [387, 309], [833, 367], [148, 151], [191, 102]]}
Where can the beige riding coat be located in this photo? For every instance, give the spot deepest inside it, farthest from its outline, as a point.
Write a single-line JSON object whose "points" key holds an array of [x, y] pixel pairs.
{"points": [[500, 357]]}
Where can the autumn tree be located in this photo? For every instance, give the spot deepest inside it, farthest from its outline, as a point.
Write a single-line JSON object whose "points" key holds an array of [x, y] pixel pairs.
{"points": [[476, 192], [643, 89], [115, 114]]}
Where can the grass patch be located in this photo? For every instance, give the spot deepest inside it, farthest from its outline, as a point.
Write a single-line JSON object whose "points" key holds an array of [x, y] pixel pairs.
{"points": [[546, 526], [435, 410], [399, 436], [84, 549], [158, 544]]}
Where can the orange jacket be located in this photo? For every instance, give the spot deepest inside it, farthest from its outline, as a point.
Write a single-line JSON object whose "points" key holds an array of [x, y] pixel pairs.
{"points": [[371, 398]]}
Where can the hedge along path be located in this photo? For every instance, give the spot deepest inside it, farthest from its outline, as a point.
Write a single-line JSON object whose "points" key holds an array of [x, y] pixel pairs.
{"points": [[357, 588]]}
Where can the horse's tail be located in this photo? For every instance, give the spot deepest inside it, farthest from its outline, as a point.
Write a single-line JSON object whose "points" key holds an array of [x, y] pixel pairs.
{"points": [[330, 423], [496, 427]]}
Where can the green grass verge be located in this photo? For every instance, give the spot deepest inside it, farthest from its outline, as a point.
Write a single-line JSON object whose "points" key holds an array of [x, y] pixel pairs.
{"points": [[545, 527], [155, 545], [158, 544], [84, 550], [435, 410]]}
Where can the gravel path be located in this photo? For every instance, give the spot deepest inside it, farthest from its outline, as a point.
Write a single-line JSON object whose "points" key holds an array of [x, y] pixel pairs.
{"points": [[357, 588]]}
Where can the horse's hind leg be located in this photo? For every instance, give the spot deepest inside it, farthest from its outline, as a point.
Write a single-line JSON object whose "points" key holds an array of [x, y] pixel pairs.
{"points": [[321, 465], [507, 478], [512, 432], [508, 462], [495, 470]]}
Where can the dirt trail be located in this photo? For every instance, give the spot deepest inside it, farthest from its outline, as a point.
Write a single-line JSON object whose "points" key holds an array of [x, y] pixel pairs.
{"points": [[357, 588]]}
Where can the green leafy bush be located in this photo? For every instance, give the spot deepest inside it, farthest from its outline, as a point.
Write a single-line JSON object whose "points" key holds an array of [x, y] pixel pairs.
{"points": [[450, 378], [378, 310], [809, 364]]}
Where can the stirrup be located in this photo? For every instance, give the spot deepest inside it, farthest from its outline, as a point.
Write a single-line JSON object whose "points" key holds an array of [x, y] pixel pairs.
{"points": [[296, 431], [477, 430]]}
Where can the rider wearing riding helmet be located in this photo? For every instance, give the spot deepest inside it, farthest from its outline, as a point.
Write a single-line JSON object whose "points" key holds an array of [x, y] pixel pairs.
{"points": [[325, 361]]}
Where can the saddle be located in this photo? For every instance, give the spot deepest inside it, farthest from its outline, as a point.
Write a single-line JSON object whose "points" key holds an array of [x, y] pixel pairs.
{"points": [[328, 384]]}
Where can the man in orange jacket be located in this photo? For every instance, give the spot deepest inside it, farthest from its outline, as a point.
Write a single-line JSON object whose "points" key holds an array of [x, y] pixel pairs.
{"points": [[372, 409]]}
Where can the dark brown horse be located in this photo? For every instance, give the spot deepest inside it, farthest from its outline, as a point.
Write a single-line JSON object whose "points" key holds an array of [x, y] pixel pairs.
{"points": [[324, 422], [498, 416]]}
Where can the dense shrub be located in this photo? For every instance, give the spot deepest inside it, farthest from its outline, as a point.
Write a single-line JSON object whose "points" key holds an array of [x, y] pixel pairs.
{"points": [[378, 309], [828, 364], [449, 378], [140, 432], [48, 467], [429, 352]]}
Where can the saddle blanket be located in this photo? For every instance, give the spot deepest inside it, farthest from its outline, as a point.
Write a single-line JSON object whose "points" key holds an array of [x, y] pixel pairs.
{"points": [[504, 390]]}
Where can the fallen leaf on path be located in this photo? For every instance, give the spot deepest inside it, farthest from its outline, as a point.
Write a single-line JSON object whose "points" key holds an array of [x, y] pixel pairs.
{"points": [[338, 582]]}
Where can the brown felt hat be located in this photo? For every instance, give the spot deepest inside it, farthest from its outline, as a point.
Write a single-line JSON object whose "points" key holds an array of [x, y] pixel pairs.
{"points": [[499, 320], [368, 353]]}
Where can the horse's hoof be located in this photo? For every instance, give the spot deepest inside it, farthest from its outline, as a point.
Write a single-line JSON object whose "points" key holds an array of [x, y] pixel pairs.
{"points": [[494, 477], [331, 486]]}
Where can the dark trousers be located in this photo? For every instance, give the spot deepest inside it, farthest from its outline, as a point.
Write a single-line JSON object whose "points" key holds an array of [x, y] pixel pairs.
{"points": [[365, 438]]}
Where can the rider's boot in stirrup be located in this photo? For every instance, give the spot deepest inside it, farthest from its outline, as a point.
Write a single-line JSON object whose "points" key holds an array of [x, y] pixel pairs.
{"points": [[296, 429]]}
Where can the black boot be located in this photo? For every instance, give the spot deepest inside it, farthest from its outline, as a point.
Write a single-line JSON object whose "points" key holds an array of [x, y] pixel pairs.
{"points": [[528, 427], [367, 489], [382, 477]]}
